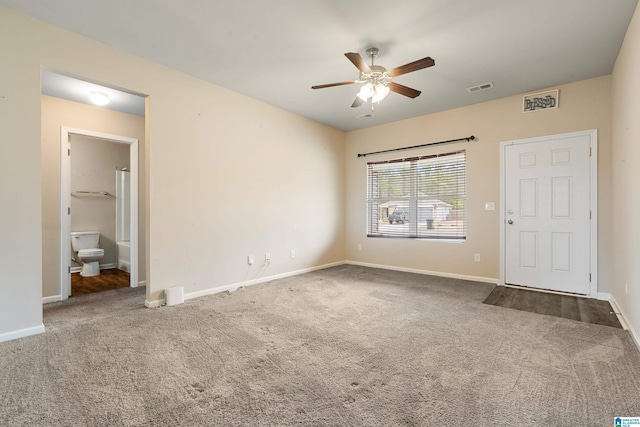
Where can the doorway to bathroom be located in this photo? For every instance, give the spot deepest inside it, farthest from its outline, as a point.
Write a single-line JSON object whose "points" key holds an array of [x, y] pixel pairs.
{"points": [[99, 211]]}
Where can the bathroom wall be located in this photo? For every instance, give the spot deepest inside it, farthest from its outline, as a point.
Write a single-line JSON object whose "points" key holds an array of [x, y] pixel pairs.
{"points": [[59, 112], [93, 168]]}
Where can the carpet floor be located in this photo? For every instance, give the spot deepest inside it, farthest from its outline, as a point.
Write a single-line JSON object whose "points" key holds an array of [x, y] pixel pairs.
{"points": [[344, 346]]}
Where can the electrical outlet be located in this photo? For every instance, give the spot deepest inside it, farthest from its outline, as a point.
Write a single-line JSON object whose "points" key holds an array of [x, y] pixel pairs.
{"points": [[293, 253], [267, 256], [250, 260], [476, 257], [359, 247]]}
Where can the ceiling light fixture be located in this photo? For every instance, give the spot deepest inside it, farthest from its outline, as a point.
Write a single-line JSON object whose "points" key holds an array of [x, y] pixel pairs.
{"points": [[376, 91], [99, 98], [380, 91], [366, 91]]}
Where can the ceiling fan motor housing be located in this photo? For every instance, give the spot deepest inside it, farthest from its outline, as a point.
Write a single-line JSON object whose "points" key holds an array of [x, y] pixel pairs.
{"points": [[378, 73]]}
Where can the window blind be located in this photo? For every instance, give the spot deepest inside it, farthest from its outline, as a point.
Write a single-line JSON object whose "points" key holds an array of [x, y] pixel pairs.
{"points": [[419, 197]]}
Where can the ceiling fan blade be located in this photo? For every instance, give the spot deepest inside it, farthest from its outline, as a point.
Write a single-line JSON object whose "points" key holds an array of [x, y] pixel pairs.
{"points": [[403, 90], [357, 60], [357, 102], [412, 66], [333, 84]]}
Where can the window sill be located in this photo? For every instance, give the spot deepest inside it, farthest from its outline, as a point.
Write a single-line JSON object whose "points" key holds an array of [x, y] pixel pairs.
{"points": [[428, 239]]}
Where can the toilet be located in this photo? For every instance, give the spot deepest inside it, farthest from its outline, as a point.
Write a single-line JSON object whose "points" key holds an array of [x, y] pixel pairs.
{"points": [[85, 244]]}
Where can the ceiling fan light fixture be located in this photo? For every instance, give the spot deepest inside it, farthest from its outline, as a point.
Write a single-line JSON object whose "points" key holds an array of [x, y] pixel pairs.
{"points": [[366, 92], [380, 92], [99, 98]]}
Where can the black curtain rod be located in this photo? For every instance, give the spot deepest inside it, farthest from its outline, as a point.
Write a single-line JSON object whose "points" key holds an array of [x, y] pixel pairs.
{"points": [[470, 138]]}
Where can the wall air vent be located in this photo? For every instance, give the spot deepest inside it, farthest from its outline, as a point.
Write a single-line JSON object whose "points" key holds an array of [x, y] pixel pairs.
{"points": [[478, 88]]}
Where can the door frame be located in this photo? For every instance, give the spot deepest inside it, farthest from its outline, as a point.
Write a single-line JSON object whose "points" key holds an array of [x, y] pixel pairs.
{"points": [[65, 202], [593, 201]]}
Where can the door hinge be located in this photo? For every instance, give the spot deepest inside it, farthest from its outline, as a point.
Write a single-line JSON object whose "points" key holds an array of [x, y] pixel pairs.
{"points": [[68, 211], [589, 214], [589, 151], [68, 151], [69, 269], [589, 277]]}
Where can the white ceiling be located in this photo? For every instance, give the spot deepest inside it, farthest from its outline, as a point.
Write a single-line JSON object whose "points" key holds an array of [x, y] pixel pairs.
{"points": [[77, 90], [276, 50]]}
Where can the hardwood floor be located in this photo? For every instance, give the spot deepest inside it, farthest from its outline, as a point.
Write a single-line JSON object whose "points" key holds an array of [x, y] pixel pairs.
{"points": [[106, 281], [568, 307]]}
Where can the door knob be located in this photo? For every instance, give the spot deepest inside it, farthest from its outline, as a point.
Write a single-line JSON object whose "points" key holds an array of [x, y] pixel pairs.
{"points": [[510, 222]]}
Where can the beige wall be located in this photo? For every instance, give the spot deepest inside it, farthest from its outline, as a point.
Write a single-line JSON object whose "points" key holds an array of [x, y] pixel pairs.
{"points": [[626, 176], [583, 105], [20, 184], [227, 175], [55, 114]]}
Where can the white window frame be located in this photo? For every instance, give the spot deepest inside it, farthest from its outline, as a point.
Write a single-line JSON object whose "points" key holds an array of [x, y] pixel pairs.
{"points": [[440, 215]]}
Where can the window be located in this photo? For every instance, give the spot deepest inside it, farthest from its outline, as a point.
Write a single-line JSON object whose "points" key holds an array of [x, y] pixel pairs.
{"points": [[421, 197]]}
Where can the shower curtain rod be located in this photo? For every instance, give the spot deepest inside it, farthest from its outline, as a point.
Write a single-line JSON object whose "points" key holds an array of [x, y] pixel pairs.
{"points": [[469, 138]]}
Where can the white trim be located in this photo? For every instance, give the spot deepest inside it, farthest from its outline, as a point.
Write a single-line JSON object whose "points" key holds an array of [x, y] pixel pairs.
{"points": [[593, 184], [108, 266], [65, 202], [21, 333], [142, 283], [154, 304], [426, 272], [622, 318], [54, 298], [233, 287], [603, 296]]}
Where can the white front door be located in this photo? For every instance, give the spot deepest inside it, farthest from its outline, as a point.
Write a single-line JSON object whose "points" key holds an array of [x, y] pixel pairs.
{"points": [[547, 203]]}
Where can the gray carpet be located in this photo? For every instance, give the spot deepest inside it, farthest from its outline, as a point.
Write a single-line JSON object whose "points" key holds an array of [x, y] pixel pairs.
{"points": [[345, 346]]}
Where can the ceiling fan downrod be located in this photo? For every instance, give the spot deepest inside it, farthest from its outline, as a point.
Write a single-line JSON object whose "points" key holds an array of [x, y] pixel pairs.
{"points": [[372, 52]]}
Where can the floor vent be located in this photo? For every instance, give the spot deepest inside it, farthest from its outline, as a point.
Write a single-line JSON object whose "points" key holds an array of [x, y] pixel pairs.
{"points": [[478, 88]]}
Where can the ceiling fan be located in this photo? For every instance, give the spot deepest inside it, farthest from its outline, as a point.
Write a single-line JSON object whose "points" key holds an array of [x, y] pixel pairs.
{"points": [[376, 78]]}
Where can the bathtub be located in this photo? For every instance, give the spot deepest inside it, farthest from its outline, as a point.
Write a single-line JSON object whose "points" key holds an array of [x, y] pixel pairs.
{"points": [[123, 248]]}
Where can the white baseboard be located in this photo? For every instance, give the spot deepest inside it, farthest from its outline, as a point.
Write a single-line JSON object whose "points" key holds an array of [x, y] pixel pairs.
{"points": [[142, 283], [21, 333], [623, 321], [603, 296], [53, 298], [154, 304], [102, 267], [235, 286], [427, 272], [124, 266]]}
